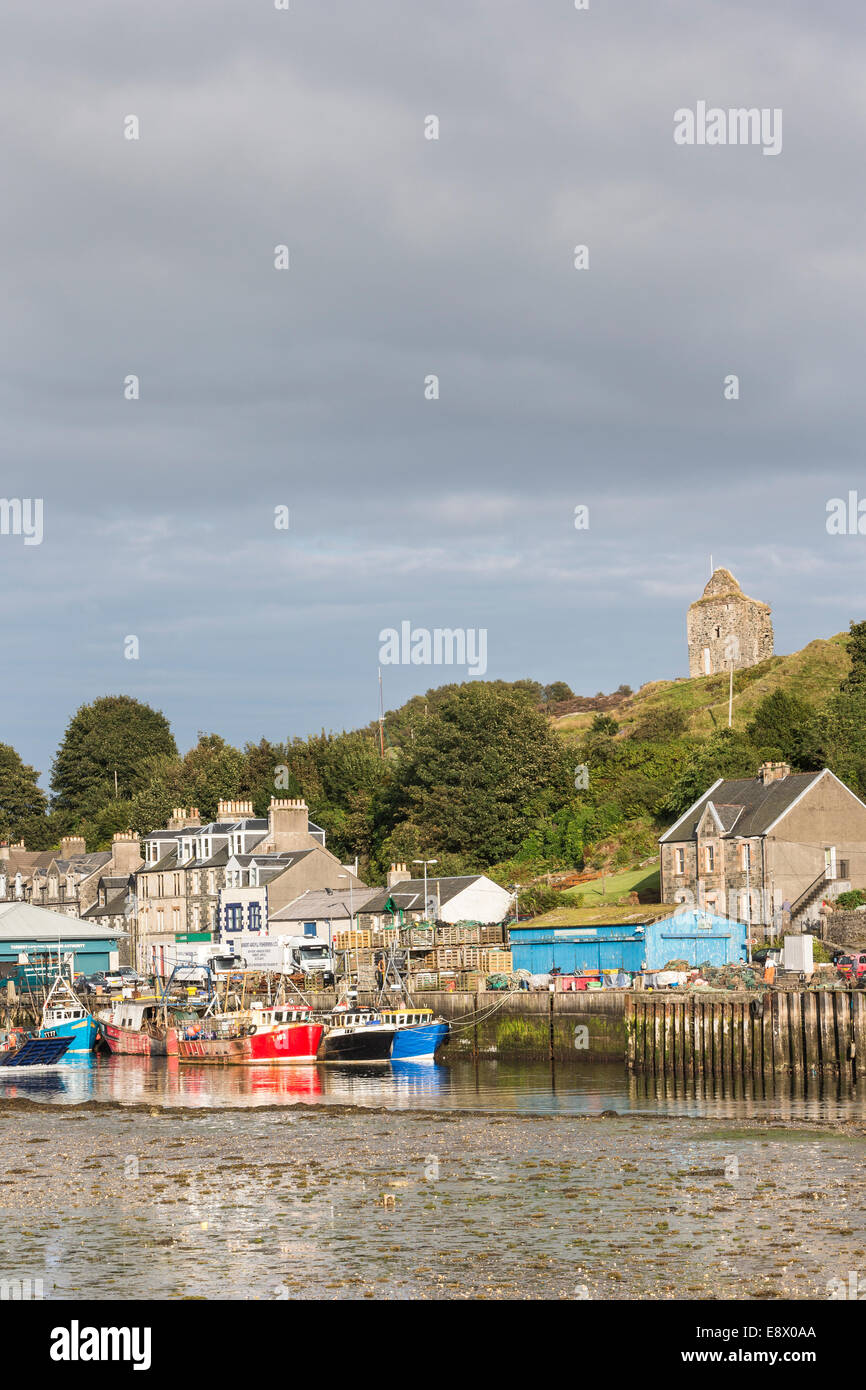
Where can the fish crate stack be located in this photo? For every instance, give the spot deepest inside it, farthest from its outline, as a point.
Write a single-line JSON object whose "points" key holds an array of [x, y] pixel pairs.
{"points": [[494, 934], [345, 940], [413, 938], [460, 934], [423, 979], [475, 958]]}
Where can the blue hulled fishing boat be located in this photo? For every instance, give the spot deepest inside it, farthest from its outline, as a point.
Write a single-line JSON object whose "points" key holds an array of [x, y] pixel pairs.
{"points": [[418, 1035], [64, 1016]]}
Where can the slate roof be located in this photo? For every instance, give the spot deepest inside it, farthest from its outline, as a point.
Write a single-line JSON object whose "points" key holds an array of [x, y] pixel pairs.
{"points": [[744, 805], [115, 907], [323, 903], [168, 861], [408, 896]]}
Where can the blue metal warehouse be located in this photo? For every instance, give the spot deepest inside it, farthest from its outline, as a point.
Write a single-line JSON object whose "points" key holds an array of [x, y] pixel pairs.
{"points": [[694, 936], [30, 937]]}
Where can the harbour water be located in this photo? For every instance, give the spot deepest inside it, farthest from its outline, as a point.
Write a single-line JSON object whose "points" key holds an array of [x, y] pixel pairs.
{"points": [[127, 1178], [509, 1087]]}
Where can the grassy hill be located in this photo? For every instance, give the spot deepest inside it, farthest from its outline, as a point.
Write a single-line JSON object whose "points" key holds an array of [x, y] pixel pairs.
{"points": [[813, 674]]}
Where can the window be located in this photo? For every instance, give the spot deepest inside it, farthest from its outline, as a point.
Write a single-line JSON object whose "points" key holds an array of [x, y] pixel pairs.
{"points": [[233, 917], [710, 858], [196, 881], [745, 857], [679, 861], [178, 889], [211, 881], [175, 919], [196, 916], [309, 929], [160, 919], [255, 917]]}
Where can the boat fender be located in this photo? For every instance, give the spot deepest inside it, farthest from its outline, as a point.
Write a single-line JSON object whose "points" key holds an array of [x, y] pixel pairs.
{"points": [[756, 1008], [251, 1030]]}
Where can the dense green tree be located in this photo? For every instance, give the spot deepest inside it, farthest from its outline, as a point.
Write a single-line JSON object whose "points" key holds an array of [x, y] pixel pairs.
{"points": [[843, 738], [785, 725], [116, 734], [210, 772], [727, 753], [264, 774], [23, 803], [604, 724], [558, 690], [478, 774], [856, 678]]}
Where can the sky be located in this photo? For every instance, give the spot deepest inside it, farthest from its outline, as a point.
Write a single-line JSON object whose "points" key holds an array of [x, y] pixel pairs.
{"points": [[409, 257]]}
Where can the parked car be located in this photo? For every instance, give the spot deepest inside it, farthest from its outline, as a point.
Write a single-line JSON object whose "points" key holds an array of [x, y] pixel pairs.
{"points": [[130, 976], [89, 984], [853, 966]]}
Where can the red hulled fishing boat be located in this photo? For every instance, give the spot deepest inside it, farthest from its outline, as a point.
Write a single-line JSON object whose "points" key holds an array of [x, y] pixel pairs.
{"points": [[281, 1034]]}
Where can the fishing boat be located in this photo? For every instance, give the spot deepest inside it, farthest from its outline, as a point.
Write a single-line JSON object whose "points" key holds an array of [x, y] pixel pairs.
{"points": [[281, 1034], [418, 1035], [24, 1050], [138, 1027], [355, 1034], [64, 1016]]}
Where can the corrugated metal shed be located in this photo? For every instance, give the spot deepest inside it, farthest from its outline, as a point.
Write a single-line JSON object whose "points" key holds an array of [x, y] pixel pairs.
{"points": [[696, 937]]}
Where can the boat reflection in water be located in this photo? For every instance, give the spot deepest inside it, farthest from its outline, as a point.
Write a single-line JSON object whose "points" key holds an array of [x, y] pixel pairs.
{"points": [[250, 1085]]}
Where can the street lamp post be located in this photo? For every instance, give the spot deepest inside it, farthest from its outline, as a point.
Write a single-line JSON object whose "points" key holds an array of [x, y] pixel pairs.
{"points": [[352, 931], [515, 888], [425, 862]]}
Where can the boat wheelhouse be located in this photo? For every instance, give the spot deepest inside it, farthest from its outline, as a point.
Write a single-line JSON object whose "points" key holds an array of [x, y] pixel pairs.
{"points": [[356, 1035], [139, 1028], [64, 1016], [418, 1034]]}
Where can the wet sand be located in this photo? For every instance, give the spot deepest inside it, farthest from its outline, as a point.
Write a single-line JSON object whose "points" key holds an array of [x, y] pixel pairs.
{"points": [[117, 1201]]}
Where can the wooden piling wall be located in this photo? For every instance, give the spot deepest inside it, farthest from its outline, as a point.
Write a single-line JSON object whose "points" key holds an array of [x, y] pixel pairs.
{"points": [[774, 1034]]}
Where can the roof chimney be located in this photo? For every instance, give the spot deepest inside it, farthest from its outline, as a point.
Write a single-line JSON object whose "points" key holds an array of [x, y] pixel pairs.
{"points": [[72, 844], [234, 810], [288, 824], [4, 849], [125, 853], [773, 772], [398, 873]]}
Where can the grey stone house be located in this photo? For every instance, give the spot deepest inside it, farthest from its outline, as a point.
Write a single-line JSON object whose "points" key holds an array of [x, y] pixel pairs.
{"points": [[767, 850], [66, 881]]}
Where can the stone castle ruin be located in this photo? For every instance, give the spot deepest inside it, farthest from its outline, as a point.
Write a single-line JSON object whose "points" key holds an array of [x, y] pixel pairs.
{"points": [[725, 627]]}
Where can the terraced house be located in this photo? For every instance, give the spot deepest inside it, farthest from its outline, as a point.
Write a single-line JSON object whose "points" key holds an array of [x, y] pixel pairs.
{"points": [[769, 849], [188, 867], [69, 880]]}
